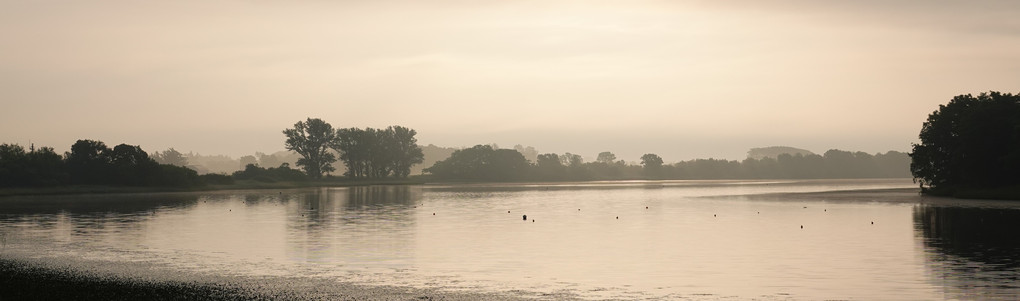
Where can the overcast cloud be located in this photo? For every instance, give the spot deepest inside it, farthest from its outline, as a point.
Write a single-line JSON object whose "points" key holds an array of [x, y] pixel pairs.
{"points": [[683, 79]]}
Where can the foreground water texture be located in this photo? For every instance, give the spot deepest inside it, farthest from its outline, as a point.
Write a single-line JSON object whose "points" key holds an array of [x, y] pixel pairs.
{"points": [[771, 240]]}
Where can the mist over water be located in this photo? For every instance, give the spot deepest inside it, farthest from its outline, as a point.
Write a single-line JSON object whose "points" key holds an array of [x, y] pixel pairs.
{"points": [[833, 239]]}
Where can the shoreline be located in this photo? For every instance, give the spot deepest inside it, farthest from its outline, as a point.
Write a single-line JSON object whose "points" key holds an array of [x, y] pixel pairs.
{"points": [[42, 279], [256, 185], [241, 185]]}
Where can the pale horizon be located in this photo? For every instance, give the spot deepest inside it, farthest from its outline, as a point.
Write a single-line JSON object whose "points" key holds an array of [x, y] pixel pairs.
{"points": [[694, 79]]}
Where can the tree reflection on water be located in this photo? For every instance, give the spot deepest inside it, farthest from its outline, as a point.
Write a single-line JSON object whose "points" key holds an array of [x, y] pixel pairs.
{"points": [[353, 224], [972, 252]]}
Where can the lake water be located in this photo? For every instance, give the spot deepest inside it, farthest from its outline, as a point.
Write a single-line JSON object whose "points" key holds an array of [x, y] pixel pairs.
{"points": [[824, 239]]}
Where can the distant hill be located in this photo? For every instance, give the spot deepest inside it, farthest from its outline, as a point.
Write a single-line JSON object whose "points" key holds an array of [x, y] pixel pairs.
{"points": [[759, 153]]}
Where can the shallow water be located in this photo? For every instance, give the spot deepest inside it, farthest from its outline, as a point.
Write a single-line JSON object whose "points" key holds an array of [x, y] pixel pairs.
{"points": [[592, 240]]}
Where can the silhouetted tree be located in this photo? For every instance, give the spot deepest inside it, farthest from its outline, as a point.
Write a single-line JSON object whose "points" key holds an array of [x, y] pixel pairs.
{"points": [[575, 167], [45, 168], [482, 162], [601, 170], [273, 174], [606, 157], [549, 167], [91, 163], [88, 162], [652, 164], [176, 176], [131, 165], [569, 159], [404, 149], [12, 161], [39, 167], [378, 153], [312, 140], [359, 149], [219, 179], [170, 156], [969, 143], [704, 169]]}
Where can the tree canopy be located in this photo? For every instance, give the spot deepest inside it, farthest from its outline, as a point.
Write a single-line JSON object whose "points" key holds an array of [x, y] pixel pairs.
{"points": [[475, 164], [483, 162], [969, 143], [170, 156], [89, 162], [312, 140], [372, 153], [606, 157], [652, 164]]}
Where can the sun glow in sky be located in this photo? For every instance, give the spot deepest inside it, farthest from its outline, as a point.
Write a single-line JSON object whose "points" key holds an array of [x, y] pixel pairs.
{"points": [[683, 79]]}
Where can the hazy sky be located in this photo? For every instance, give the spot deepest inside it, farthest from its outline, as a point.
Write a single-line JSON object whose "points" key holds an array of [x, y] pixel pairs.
{"points": [[683, 79]]}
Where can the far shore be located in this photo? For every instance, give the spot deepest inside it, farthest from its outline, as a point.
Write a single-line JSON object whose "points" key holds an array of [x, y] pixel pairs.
{"points": [[1010, 193], [413, 180], [239, 185]]}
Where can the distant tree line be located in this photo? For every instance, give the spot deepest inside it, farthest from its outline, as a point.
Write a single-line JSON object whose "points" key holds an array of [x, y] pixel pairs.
{"points": [[485, 163], [367, 153], [222, 164], [89, 162], [391, 152], [282, 173], [970, 144]]}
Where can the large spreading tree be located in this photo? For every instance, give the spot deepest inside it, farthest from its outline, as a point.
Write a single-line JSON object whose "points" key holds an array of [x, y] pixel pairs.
{"points": [[312, 140], [969, 143]]}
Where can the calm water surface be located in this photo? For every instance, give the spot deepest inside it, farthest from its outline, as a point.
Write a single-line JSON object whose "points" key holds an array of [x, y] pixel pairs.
{"points": [[619, 240]]}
